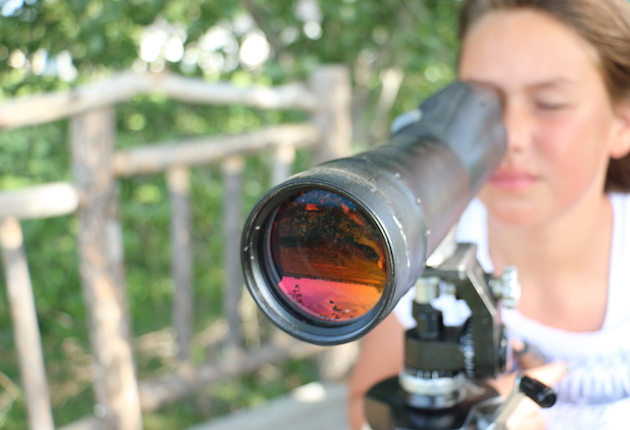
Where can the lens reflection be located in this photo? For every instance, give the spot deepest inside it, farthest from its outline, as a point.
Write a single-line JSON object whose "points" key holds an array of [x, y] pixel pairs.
{"points": [[330, 257]]}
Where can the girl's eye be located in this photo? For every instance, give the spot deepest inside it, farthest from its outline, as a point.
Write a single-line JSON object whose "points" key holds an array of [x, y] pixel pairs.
{"points": [[550, 105]]}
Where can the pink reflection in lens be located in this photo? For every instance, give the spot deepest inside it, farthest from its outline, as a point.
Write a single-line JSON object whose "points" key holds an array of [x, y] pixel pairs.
{"points": [[329, 300]]}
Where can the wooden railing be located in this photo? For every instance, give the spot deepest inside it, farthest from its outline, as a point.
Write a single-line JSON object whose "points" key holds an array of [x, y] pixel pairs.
{"points": [[93, 197]]}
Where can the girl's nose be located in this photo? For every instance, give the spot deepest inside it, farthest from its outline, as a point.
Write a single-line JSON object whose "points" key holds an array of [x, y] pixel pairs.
{"points": [[518, 123]]}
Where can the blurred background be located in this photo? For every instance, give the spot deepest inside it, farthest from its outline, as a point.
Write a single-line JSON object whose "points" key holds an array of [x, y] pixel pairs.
{"points": [[398, 52]]}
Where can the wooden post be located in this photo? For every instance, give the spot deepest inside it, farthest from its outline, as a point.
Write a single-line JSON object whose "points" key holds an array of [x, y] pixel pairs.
{"points": [[283, 158], [332, 85], [232, 226], [178, 181], [92, 137], [24, 316]]}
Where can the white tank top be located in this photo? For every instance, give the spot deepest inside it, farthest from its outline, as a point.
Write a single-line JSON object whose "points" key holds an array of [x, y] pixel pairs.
{"points": [[596, 392]]}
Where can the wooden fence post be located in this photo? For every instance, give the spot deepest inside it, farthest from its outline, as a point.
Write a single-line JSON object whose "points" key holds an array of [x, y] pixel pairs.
{"points": [[24, 316], [334, 117], [283, 158], [332, 85], [232, 226], [178, 181], [92, 137]]}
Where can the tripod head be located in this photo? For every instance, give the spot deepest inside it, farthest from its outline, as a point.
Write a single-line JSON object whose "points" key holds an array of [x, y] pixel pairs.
{"points": [[330, 252]]}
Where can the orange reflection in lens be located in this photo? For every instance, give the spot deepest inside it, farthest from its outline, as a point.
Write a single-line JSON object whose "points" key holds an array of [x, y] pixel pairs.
{"points": [[329, 255]]}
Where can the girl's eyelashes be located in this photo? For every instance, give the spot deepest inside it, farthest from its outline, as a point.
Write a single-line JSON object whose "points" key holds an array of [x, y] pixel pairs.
{"points": [[550, 106]]}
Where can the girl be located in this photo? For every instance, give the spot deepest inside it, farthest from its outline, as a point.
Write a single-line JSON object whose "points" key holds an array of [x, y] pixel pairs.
{"points": [[557, 207]]}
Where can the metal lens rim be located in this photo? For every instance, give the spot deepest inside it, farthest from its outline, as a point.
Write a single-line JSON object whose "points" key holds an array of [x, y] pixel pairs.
{"points": [[258, 272]]}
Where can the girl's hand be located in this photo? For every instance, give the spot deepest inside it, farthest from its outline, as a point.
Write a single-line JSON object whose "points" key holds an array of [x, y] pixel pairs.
{"points": [[527, 415]]}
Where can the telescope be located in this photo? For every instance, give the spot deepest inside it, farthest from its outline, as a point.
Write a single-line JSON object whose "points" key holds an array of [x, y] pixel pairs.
{"points": [[328, 254]]}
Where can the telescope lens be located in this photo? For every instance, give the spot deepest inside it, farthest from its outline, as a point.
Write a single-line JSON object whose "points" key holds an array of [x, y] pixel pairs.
{"points": [[329, 256]]}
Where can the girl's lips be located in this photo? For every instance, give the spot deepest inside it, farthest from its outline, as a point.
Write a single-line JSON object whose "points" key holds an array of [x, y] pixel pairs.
{"points": [[512, 180]]}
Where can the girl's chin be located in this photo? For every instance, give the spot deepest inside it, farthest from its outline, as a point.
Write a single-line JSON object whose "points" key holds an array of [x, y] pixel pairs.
{"points": [[514, 213]]}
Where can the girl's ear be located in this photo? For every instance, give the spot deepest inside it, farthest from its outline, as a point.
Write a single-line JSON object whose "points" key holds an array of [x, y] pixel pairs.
{"points": [[621, 145]]}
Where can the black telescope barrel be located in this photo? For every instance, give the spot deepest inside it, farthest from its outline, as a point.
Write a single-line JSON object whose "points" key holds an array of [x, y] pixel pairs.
{"points": [[328, 253]]}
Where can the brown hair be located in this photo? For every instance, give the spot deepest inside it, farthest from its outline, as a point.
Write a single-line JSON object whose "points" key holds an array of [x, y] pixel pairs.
{"points": [[605, 24]]}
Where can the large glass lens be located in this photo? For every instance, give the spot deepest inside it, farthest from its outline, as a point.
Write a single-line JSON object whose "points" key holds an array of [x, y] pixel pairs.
{"points": [[329, 255]]}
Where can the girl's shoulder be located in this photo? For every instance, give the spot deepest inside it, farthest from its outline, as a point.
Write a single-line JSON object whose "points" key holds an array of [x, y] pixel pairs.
{"points": [[619, 272], [620, 202]]}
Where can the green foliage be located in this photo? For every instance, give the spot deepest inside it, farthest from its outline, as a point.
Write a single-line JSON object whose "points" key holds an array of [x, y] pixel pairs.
{"points": [[417, 37], [48, 45], [37, 155]]}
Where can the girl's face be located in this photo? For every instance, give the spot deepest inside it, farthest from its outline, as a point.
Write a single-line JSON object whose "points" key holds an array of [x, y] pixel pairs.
{"points": [[562, 127]]}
